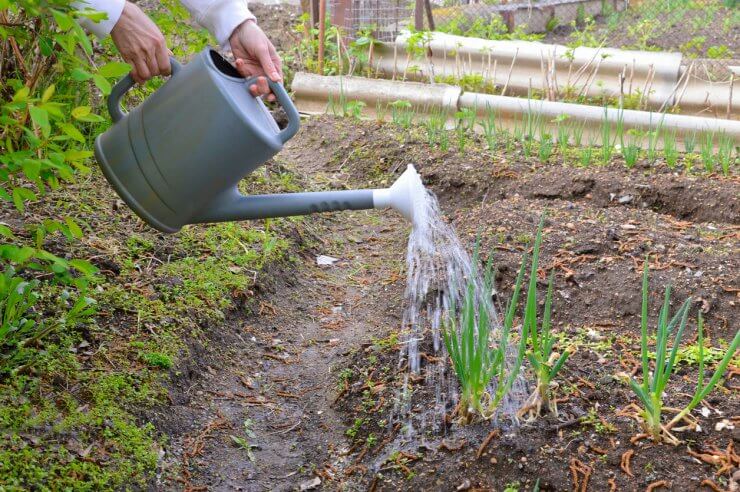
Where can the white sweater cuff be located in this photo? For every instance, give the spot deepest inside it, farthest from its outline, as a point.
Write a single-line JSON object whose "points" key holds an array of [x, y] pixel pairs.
{"points": [[111, 7], [222, 17]]}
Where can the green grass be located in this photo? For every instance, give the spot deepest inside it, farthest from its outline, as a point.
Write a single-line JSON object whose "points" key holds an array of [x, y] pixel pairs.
{"points": [[102, 364]]}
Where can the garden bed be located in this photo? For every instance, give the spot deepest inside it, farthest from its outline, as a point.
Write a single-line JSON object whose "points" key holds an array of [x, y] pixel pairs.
{"points": [[320, 376]]}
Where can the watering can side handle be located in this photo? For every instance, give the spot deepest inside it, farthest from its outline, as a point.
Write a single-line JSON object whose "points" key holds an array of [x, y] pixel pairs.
{"points": [[294, 119], [122, 87]]}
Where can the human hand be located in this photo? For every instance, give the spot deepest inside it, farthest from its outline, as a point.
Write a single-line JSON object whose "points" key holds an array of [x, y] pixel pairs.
{"points": [[141, 44], [256, 56]]}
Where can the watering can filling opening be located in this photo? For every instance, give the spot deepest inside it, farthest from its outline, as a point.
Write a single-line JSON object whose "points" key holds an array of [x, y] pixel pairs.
{"points": [[223, 65]]}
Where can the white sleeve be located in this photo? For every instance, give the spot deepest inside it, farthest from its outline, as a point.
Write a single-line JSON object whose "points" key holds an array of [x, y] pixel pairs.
{"points": [[111, 7], [220, 17]]}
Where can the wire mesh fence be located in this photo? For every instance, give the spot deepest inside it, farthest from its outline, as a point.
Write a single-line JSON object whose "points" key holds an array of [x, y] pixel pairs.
{"points": [[705, 32]]}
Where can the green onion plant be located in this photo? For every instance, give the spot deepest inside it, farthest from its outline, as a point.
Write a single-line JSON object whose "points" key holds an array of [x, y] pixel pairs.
{"points": [[725, 147], [489, 128], [468, 337], [585, 156], [650, 391], [546, 362], [670, 149], [546, 146], [689, 143], [707, 152]]}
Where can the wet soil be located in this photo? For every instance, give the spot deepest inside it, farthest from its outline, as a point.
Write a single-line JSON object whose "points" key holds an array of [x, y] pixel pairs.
{"points": [[315, 369]]}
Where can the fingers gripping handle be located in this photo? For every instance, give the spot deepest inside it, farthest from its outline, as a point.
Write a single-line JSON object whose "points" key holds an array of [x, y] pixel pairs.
{"points": [[123, 86]]}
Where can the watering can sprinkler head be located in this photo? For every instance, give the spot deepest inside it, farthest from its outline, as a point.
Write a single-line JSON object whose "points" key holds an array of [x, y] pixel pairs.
{"points": [[403, 195]]}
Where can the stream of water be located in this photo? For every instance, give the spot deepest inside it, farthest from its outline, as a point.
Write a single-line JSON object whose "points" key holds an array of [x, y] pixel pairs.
{"points": [[438, 271]]}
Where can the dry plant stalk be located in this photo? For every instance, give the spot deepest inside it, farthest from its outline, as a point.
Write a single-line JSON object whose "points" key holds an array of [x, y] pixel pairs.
{"points": [[625, 462]]}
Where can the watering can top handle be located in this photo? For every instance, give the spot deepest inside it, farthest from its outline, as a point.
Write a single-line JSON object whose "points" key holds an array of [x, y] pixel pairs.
{"points": [[294, 119], [123, 86]]}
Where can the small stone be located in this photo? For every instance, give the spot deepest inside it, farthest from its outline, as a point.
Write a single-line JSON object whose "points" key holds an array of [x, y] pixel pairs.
{"points": [[723, 424], [493, 460], [625, 199], [465, 485], [310, 484]]}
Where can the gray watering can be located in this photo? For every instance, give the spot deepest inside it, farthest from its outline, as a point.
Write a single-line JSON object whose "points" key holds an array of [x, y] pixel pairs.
{"points": [[176, 159]]}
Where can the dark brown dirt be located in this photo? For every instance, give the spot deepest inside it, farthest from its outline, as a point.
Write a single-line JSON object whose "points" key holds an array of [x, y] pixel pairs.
{"points": [[316, 369]]}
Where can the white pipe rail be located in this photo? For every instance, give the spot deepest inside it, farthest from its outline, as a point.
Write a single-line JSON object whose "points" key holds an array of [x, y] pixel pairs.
{"points": [[313, 93]]}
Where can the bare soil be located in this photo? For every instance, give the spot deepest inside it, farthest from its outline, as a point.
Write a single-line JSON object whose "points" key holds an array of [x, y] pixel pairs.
{"points": [[319, 356], [314, 370]]}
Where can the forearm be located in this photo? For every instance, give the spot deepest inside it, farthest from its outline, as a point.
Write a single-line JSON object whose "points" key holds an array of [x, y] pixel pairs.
{"points": [[220, 17], [111, 7]]}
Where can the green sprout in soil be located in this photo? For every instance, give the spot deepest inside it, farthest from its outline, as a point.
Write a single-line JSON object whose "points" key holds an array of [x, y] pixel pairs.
{"points": [[467, 336], [435, 126], [689, 143], [725, 147], [546, 147], [244, 443], [545, 361], [402, 113], [631, 147], [670, 150], [489, 128], [585, 156], [578, 134], [607, 145], [563, 135], [707, 152], [651, 391]]}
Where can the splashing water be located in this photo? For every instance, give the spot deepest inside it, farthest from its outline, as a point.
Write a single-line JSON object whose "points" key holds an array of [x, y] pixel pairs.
{"points": [[439, 269]]}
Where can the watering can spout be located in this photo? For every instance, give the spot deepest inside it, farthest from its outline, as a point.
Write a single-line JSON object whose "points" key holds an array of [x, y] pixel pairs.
{"points": [[403, 196], [232, 205]]}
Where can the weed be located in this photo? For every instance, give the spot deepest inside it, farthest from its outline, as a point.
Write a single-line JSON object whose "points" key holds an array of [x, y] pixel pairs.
{"points": [[355, 429], [244, 443], [600, 425], [353, 109]]}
